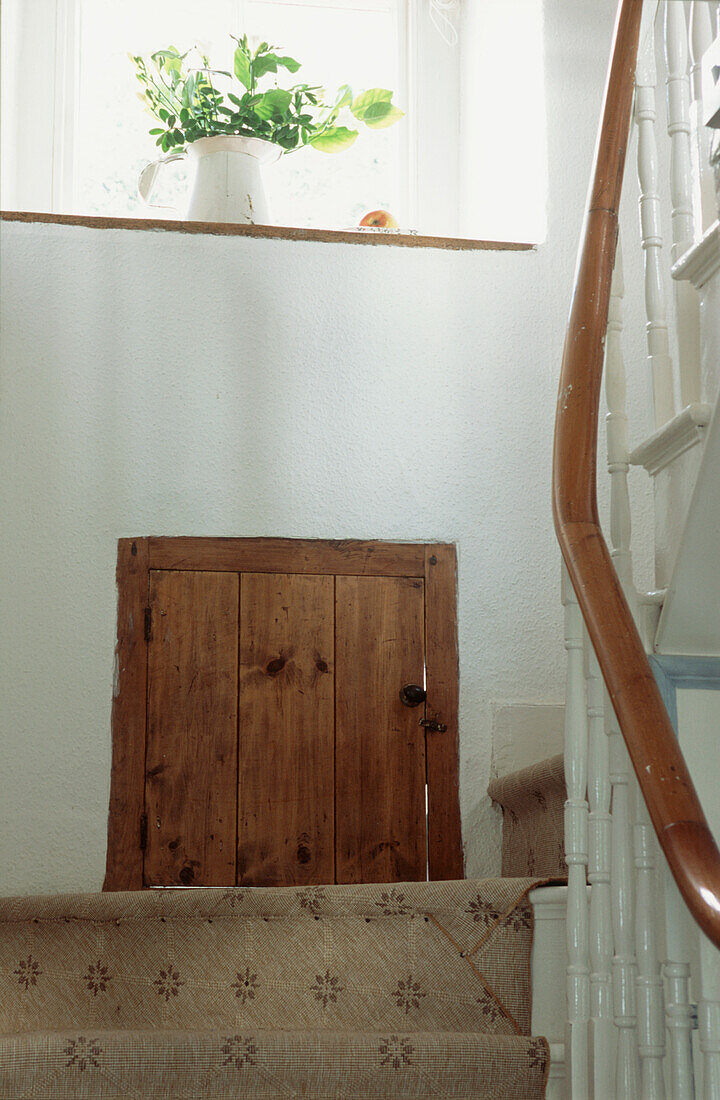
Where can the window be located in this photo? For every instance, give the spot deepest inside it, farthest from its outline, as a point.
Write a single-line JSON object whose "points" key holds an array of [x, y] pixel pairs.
{"points": [[83, 154]]}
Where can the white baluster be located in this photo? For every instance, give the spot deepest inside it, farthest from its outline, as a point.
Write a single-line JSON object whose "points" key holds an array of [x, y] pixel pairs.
{"points": [[651, 1023], [576, 850], [678, 125], [701, 36], [709, 1017], [621, 882], [617, 429], [602, 1039], [624, 966], [651, 230], [687, 302], [678, 1010], [649, 982]]}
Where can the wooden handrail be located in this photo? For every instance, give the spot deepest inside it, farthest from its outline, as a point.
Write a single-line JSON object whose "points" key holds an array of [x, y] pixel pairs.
{"points": [[665, 782]]}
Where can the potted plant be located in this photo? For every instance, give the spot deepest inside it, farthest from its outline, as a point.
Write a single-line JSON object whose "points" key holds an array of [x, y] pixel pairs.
{"points": [[232, 124]]}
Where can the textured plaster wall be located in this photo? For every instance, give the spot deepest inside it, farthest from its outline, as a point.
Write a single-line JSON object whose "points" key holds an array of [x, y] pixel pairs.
{"points": [[176, 384]]}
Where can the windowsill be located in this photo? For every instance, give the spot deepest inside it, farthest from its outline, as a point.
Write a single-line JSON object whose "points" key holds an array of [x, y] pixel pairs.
{"points": [[275, 232]]}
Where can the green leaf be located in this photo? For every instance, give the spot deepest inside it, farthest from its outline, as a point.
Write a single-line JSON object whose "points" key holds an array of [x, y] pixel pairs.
{"points": [[366, 99], [344, 96], [187, 97], [265, 64], [334, 140], [242, 67], [273, 104], [289, 63], [381, 115]]}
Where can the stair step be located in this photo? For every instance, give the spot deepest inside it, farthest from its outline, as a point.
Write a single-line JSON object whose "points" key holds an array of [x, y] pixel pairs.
{"points": [[533, 801], [246, 1062], [295, 988]]}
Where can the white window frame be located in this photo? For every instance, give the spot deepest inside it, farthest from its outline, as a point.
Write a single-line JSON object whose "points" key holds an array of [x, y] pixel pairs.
{"points": [[41, 163]]}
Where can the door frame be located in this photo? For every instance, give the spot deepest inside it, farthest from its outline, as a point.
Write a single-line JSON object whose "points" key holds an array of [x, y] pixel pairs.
{"points": [[434, 563]]}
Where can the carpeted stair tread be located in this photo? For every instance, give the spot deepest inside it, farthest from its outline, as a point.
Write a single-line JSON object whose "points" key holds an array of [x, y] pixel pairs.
{"points": [[225, 1065], [533, 801], [323, 982]]}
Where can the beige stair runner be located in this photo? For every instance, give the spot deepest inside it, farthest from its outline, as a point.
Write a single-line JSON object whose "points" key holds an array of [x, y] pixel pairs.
{"points": [[413, 990], [533, 805]]}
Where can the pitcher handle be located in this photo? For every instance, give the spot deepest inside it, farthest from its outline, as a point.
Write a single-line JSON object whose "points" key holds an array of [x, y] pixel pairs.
{"points": [[149, 174]]}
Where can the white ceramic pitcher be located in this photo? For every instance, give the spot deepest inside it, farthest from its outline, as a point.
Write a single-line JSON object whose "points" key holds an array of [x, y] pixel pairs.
{"points": [[227, 184]]}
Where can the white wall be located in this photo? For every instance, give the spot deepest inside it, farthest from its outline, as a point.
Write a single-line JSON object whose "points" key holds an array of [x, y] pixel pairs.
{"points": [[170, 384]]}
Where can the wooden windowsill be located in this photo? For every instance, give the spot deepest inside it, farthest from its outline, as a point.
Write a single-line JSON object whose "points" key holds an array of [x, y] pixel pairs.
{"points": [[274, 232]]}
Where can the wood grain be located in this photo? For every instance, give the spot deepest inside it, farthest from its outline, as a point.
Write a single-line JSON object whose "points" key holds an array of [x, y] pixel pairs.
{"points": [[286, 825], [124, 862], [191, 765], [379, 745], [659, 764], [348, 556], [273, 232], [445, 851]]}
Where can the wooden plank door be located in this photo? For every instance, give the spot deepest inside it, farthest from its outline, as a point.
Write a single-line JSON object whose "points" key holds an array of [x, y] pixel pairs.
{"points": [[286, 825], [191, 762], [258, 732], [380, 745]]}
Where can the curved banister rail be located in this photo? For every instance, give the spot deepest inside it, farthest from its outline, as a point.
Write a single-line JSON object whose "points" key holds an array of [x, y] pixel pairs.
{"points": [[672, 801]]}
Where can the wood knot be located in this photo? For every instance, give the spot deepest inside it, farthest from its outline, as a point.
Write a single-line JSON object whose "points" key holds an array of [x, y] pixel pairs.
{"points": [[275, 666]]}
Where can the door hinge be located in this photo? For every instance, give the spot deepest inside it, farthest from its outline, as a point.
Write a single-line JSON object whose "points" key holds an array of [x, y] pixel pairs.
{"points": [[143, 832], [148, 623]]}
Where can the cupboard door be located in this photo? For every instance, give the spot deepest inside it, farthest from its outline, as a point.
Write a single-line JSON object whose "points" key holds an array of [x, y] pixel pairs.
{"points": [[380, 745], [191, 762], [258, 734], [286, 730]]}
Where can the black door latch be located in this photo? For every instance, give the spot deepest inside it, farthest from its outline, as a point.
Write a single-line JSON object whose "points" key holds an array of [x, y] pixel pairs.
{"points": [[433, 725]]}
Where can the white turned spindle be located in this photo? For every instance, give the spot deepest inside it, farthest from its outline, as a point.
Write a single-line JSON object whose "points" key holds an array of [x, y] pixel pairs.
{"points": [[659, 359], [709, 1017], [622, 877], [576, 850], [617, 429], [602, 1042], [622, 882], [701, 36], [650, 1033], [678, 126], [650, 995], [687, 303], [678, 1009]]}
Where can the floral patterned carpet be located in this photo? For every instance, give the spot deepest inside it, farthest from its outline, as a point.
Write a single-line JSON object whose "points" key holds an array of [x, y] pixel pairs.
{"points": [[413, 990]]}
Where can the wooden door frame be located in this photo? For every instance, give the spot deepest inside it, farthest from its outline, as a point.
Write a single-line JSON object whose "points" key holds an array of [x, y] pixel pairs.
{"points": [[434, 563]]}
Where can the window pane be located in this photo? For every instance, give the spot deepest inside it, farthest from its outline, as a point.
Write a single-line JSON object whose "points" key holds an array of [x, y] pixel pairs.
{"points": [[113, 143], [336, 44]]}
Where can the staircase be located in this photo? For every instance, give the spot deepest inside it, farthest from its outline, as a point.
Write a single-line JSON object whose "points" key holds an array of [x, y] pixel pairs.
{"points": [[407, 990], [521, 986], [532, 800]]}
